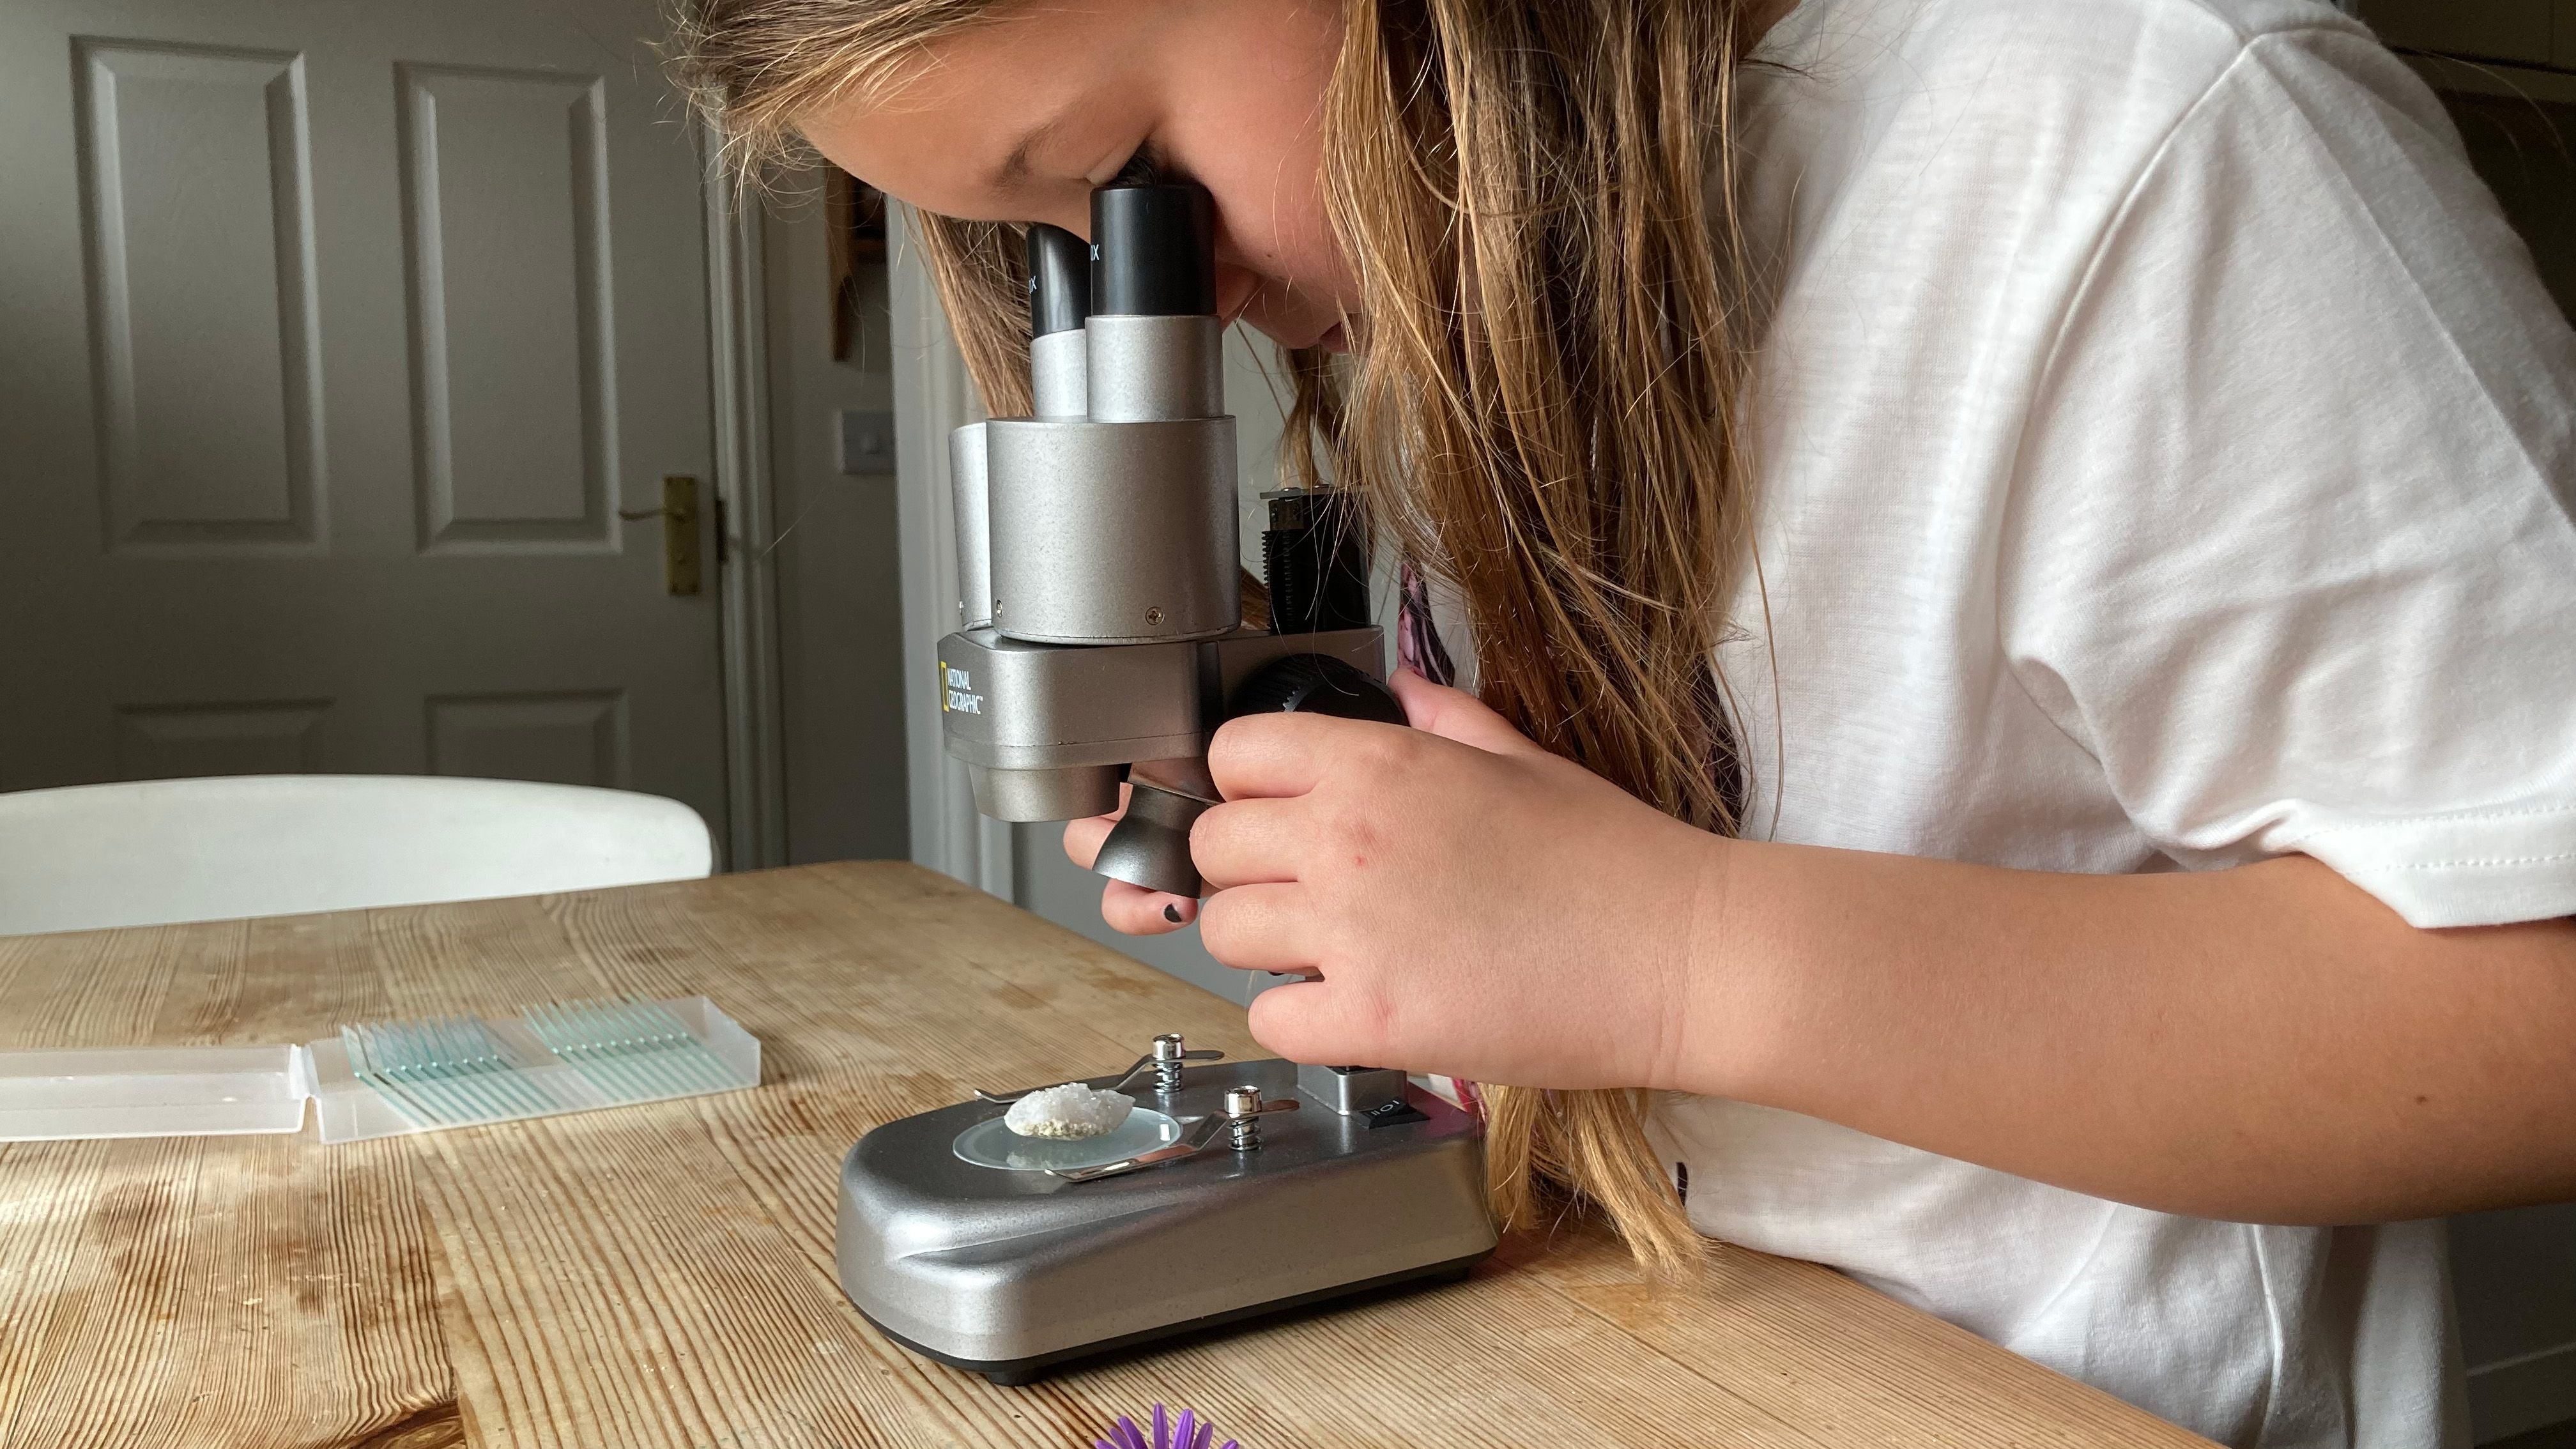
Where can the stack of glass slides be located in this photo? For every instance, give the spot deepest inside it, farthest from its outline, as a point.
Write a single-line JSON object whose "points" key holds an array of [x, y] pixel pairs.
{"points": [[386, 1078]]}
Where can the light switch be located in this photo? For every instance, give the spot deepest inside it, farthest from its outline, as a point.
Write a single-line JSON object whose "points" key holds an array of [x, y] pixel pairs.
{"points": [[867, 441]]}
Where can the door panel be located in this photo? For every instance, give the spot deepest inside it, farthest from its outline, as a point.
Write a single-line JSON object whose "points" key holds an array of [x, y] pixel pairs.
{"points": [[194, 169], [161, 742], [338, 337], [577, 737], [503, 183]]}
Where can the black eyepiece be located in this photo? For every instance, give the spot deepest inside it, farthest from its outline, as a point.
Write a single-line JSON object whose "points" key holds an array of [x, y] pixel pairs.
{"points": [[1154, 251], [1059, 280]]}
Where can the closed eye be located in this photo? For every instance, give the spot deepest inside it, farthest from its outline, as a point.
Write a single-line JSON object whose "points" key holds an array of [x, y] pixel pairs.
{"points": [[1144, 167]]}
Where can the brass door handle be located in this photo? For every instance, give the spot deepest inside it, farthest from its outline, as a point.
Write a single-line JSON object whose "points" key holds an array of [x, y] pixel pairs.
{"points": [[679, 515]]}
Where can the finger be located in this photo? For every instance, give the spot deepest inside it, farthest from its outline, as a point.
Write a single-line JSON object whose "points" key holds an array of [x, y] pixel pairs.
{"points": [[1322, 1021], [1262, 928], [1082, 838], [1250, 842], [1454, 714], [1275, 755], [1132, 910]]}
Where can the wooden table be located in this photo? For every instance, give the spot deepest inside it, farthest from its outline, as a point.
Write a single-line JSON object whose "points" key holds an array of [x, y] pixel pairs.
{"points": [[663, 1275]]}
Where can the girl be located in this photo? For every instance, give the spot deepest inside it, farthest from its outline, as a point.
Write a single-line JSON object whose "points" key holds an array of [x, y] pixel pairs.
{"points": [[2017, 558]]}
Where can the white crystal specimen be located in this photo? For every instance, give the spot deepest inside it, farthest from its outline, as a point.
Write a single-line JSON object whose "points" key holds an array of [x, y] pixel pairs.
{"points": [[1072, 1110]]}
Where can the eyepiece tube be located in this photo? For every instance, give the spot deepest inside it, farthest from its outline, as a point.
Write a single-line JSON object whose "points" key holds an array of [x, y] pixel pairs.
{"points": [[1059, 303], [1156, 253], [1059, 280], [1153, 335]]}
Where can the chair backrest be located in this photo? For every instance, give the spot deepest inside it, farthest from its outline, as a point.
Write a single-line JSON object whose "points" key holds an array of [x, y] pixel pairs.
{"points": [[159, 851]]}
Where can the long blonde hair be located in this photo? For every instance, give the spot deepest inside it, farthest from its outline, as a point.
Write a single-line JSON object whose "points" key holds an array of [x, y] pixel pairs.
{"points": [[1538, 201]]}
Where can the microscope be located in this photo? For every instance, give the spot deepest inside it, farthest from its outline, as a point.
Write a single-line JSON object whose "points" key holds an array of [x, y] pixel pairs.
{"points": [[1103, 646]]}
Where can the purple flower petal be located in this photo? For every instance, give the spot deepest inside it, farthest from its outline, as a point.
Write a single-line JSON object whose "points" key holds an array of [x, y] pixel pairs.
{"points": [[1188, 1432]]}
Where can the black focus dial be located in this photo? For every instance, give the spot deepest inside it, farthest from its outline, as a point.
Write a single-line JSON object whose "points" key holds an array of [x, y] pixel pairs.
{"points": [[1316, 684]]}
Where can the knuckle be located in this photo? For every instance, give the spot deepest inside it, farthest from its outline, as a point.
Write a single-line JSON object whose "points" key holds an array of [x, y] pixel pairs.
{"points": [[1354, 827], [1383, 752], [1372, 1028]]}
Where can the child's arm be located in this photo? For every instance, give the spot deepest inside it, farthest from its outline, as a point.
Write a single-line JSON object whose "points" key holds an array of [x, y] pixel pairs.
{"points": [[2266, 1043]]}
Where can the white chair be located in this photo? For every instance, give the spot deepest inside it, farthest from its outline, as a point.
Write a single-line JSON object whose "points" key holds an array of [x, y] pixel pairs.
{"points": [[159, 851]]}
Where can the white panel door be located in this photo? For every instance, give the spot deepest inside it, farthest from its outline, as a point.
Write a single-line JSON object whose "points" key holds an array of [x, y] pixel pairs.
{"points": [[333, 338]]}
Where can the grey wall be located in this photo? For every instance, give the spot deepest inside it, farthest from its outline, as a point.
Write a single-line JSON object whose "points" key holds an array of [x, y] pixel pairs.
{"points": [[839, 573]]}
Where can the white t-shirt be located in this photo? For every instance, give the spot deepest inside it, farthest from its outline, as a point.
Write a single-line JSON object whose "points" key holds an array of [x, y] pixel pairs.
{"points": [[2165, 463]]}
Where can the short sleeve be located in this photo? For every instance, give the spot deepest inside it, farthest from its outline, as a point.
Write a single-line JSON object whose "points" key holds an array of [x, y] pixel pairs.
{"points": [[2289, 546]]}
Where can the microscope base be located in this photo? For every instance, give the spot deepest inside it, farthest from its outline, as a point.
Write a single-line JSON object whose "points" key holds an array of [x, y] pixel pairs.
{"points": [[1012, 1274], [1018, 1373]]}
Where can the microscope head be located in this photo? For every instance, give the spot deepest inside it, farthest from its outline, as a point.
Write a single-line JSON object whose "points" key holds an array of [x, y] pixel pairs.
{"points": [[1112, 510], [1097, 557]]}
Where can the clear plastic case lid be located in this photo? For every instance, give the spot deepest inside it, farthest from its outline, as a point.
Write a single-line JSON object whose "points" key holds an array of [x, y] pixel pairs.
{"points": [[386, 1078], [152, 1091]]}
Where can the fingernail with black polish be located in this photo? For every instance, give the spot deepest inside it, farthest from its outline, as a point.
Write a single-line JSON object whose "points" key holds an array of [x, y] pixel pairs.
{"points": [[1172, 914]]}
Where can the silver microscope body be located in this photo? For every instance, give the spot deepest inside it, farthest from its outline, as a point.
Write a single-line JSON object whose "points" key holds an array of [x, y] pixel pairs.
{"points": [[1104, 638], [1103, 645]]}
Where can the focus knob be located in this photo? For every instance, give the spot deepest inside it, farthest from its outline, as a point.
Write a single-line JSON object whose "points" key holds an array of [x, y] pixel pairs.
{"points": [[1316, 684]]}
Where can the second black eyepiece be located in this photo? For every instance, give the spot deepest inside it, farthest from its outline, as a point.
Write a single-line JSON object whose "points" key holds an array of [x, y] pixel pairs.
{"points": [[1156, 251]]}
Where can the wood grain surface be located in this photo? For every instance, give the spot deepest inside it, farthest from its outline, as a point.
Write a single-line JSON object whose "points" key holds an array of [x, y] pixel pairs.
{"points": [[663, 1275]]}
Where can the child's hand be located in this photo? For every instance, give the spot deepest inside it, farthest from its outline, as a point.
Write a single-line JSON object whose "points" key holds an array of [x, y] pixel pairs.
{"points": [[1475, 905]]}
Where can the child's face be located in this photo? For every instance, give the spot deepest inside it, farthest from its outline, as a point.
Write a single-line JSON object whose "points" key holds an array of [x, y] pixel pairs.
{"points": [[1018, 120]]}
